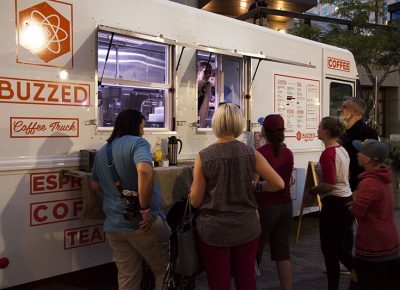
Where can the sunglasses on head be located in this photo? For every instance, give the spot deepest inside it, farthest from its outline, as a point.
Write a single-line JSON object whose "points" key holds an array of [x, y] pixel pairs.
{"points": [[223, 103]]}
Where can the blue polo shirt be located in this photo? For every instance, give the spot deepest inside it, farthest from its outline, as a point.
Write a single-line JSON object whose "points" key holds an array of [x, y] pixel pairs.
{"points": [[128, 151]]}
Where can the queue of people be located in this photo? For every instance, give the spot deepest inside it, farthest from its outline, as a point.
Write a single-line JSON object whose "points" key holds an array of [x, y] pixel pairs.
{"points": [[242, 197]]}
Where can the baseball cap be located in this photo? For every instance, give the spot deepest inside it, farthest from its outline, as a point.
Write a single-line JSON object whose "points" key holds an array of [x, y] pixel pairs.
{"points": [[272, 123], [373, 149]]}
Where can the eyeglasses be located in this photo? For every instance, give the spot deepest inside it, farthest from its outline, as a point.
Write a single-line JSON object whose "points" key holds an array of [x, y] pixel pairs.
{"points": [[224, 103]]}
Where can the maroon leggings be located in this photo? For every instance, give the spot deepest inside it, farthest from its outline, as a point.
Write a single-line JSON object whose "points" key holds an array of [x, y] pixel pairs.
{"points": [[218, 261]]}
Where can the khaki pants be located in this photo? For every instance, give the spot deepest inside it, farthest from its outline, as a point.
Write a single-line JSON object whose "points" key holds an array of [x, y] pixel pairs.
{"points": [[130, 248]]}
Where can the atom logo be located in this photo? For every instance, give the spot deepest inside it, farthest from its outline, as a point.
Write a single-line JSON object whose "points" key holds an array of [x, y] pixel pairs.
{"points": [[44, 32], [56, 35]]}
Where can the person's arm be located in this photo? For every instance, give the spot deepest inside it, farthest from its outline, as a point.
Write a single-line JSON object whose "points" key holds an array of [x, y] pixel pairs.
{"points": [[145, 188], [94, 182], [198, 189], [203, 112], [95, 186], [272, 181], [142, 159], [322, 188], [366, 195], [328, 168]]}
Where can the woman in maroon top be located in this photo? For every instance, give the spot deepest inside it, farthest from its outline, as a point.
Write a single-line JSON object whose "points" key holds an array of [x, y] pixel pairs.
{"points": [[275, 208]]}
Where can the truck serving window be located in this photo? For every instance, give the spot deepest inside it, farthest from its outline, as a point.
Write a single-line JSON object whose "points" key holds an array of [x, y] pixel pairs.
{"points": [[133, 73], [219, 79], [338, 92]]}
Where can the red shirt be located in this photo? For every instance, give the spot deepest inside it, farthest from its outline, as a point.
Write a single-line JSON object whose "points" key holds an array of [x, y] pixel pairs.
{"points": [[373, 207], [283, 165]]}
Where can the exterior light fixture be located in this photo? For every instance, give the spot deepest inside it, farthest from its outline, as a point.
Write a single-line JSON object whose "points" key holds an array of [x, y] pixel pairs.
{"points": [[34, 36], [63, 75]]}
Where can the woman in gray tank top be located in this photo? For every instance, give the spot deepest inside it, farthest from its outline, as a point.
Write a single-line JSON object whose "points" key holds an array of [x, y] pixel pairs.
{"points": [[227, 223]]}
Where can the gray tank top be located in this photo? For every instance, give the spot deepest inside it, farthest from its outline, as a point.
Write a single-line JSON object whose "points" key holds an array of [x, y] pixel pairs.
{"points": [[228, 215]]}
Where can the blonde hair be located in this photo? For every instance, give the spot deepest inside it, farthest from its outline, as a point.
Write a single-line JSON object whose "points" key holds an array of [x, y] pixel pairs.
{"points": [[228, 120]]}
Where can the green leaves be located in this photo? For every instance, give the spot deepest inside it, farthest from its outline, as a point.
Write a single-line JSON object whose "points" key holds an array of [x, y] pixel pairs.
{"points": [[373, 46], [307, 31]]}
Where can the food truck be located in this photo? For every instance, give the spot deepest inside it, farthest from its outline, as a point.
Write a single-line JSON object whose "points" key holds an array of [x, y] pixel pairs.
{"points": [[69, 67]]}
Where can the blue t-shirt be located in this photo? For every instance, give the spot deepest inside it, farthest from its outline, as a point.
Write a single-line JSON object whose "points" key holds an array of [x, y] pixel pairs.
{"points": [[128, 151]]}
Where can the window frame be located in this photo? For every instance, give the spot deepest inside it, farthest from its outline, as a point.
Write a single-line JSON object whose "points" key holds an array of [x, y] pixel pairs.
{"points": [[341, 82], [168, 86], [219, 84]]}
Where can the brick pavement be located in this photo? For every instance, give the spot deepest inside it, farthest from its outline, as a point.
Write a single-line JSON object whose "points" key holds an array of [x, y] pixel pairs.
{"points": [[306, 256]]}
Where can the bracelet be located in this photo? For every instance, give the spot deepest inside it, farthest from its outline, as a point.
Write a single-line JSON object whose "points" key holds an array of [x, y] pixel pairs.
{"points": [[259, 186], [145, 210]]}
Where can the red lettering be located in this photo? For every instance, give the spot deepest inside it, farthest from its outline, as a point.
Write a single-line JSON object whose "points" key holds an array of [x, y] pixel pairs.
{"points": [[39, 92], [72, 235], [28, 129], [96, 235], [338, 64], [51, 182], [77, 98], [64, 210], [27, 91], [76, 182], [38, 183], [36, 213], [77, 206], [52, 93], [64, 181], [84, 236], [5, 86], [66, 92]]}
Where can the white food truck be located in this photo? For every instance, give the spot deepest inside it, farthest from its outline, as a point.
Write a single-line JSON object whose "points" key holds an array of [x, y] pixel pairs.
{"points": [[67, 68]]}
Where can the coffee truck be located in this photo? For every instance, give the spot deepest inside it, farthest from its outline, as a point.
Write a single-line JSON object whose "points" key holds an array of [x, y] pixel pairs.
{"points": [[69, 67]]}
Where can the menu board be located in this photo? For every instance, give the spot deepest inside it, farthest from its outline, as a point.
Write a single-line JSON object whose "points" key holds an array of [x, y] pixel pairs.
{"points": [[298, 101]]}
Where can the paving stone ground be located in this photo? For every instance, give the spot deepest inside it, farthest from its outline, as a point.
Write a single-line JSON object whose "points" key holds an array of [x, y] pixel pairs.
{"points": [[306, 256]]}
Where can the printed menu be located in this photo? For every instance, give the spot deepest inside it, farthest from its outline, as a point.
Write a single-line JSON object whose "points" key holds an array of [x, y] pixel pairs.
{"points": [[298, 101]]}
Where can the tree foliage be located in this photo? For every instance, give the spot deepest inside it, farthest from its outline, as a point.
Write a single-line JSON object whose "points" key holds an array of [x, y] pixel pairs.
{"points": [[375, 47]]}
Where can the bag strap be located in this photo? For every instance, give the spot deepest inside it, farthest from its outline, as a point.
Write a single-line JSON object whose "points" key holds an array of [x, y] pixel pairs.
{"points": [[111, 165], [187, 212]]}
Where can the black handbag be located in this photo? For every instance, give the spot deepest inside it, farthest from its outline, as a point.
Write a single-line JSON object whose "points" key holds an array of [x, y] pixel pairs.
{"points": [[187, 260], [178, 218]]}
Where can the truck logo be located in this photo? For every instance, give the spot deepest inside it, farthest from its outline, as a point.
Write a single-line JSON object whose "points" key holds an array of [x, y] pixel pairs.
{"points": [[42, 92], [46, 33], [307, 137], [33, 127], [338, 64]]}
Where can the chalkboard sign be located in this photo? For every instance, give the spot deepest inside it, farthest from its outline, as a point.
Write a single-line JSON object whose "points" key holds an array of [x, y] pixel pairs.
{"points": [[308, 200]]}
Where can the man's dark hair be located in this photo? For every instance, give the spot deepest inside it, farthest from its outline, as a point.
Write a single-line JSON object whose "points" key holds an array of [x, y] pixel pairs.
{"points": [[202, 64], [127, 123]]}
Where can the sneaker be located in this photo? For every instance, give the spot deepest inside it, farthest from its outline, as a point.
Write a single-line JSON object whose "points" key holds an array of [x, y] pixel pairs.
{"points": [[344, 271]]}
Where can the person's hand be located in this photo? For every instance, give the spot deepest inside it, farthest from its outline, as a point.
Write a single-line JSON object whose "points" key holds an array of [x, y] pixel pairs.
{"points": [[147, 221], [313, 190]]}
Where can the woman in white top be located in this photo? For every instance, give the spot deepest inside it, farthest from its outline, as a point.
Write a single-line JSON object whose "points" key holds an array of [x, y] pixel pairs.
{"points": [[334, 189]]}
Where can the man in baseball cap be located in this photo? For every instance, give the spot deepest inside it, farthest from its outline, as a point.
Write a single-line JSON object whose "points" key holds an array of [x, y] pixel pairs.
{"points": [[377, 249], [373, 149]]}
